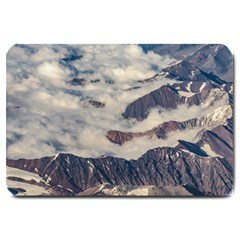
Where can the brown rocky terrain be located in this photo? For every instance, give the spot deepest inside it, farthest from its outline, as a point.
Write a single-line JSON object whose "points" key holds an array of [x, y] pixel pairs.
{"points": [[211, 58], [162, 130], [202, 77], [159, 167], [171, 97]]}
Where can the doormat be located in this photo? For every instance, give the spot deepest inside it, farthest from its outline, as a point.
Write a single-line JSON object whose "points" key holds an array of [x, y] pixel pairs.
{"points": [[120, 120]]}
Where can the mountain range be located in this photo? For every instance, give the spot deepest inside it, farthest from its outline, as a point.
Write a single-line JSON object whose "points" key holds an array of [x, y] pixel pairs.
{"points": [[200, 87]]}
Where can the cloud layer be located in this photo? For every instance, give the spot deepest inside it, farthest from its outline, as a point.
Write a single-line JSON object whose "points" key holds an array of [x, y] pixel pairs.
{"points": [[47, 115]]}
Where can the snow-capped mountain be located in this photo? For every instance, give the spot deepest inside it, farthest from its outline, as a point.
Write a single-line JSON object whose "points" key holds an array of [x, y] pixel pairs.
{"points": [[127, 120], [67, 174]]}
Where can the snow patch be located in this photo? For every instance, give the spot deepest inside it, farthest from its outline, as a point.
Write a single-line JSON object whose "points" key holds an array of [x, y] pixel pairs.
{"points": [[209, 151], [67, 160], [48, 179], [186, 94], [15, 172], [143, 191], [164, 74], [184, 150], [31, 190], [220, 114], [56, 156], [202, 86], [189, 86], [90, 163], [214, 94], [216, 49]]}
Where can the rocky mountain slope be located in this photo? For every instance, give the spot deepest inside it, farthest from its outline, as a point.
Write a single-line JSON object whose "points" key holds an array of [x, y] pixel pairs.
{"points": [[208, 121], [158, 167], [211, 58], [190, 151]]}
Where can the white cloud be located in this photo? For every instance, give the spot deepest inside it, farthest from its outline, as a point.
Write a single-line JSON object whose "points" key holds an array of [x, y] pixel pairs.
{"points": [[52, 71], [119, 62], [47, 115], [47, 52]]}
